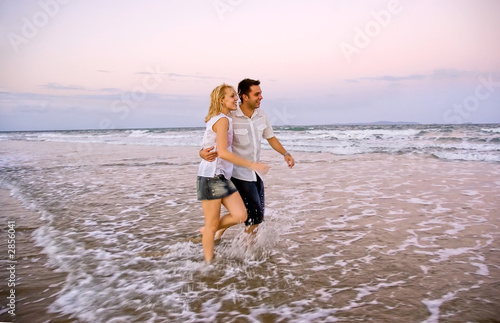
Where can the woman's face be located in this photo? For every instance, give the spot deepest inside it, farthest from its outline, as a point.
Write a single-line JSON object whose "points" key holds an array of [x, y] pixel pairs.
{"points": [[230, 99]]}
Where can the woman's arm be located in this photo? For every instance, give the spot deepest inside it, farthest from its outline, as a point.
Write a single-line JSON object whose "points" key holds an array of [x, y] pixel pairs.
{"points": [[220, 128]]}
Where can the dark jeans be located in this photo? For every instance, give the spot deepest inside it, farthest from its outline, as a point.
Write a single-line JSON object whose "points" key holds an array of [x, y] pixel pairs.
{"points": [[252, 194]]}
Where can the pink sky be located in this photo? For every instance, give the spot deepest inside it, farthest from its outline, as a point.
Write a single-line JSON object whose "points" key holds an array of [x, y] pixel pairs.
{"points": [[72, 64]]}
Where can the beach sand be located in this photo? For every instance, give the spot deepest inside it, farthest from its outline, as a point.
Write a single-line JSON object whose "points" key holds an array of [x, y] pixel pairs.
{"points": [[361, 237], [36, 285]]}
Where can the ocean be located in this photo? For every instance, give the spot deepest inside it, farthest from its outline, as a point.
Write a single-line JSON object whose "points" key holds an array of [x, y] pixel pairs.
{"points": [[380, 223], [450, 142]]}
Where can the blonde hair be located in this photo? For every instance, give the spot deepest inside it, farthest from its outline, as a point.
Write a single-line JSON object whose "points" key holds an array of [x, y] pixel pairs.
{"points": [[216, 98]]}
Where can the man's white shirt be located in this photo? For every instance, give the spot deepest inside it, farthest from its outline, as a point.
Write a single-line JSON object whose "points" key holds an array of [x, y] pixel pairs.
{"points": [[248, 133]]}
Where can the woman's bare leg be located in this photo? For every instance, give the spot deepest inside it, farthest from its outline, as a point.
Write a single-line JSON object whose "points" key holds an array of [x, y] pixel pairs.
{"points": [[211, 211], [237, 212]]}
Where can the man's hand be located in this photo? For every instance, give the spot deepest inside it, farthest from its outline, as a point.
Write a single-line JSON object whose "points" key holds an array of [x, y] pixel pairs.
{"points": [[289, 160], [208, 154]]}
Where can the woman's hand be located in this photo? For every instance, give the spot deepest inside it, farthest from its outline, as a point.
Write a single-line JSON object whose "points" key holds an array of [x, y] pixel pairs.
{"points": [[260, 167]]}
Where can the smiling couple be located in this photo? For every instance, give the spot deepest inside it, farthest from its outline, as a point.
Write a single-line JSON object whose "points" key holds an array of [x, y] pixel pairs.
{"points": [[230, 173]]}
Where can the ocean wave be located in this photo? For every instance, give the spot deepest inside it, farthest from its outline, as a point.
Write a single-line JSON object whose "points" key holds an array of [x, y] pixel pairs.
{"points": [[364, 134], [480, 141], [466, 156], [491, 130]]}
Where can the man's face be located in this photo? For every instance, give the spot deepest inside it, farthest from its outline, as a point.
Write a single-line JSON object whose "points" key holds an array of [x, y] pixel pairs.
{"points": [[255, 96]]}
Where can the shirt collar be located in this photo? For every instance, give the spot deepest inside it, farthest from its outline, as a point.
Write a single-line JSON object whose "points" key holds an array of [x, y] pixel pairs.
{"points": [[240, 113]]}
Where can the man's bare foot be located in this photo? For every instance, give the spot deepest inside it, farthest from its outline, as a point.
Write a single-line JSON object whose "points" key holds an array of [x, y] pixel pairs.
{"points": [[218, 234]]}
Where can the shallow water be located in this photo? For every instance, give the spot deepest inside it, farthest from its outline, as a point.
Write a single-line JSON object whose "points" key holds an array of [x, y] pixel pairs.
{"points": [[383, 238]]}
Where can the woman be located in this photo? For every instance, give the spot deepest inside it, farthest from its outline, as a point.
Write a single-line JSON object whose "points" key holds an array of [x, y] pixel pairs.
{"points": [[214, 185]]}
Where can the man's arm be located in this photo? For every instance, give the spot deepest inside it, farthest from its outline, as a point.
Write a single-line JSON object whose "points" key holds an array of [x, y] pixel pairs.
{"points": [[276, 144], [208, 154]]}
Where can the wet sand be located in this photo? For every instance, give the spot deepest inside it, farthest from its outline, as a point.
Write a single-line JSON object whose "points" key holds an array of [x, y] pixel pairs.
{"points": [[36, 285], [347, 238]]}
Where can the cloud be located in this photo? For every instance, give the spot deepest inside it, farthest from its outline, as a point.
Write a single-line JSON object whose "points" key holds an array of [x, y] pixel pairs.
{"points": [[110, 89], [57, 86], [438, 74], [40, 111], [102, 102], [391, 78], [177, 75], [103, 71]]}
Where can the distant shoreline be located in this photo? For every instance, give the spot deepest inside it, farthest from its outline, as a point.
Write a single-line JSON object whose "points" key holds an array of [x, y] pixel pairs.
{"points": [[375, 123]]}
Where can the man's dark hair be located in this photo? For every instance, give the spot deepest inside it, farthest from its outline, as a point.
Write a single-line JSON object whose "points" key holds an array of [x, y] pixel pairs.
{"points": [[244, 87]]}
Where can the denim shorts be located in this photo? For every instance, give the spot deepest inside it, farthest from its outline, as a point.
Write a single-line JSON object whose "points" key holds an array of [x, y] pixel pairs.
{"points": [[214, 188]]}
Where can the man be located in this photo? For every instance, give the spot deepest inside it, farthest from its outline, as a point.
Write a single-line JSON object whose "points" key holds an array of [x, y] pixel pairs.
{"points": [[250, 125]]}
